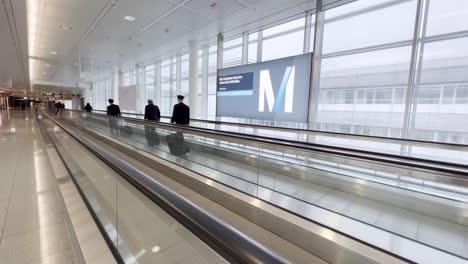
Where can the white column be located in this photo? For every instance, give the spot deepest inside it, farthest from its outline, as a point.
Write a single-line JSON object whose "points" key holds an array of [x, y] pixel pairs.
{"points": [[219, 55], [193, 78], [115, 84], [316, 66], [157, 84], [204, 88], [138, 85]]}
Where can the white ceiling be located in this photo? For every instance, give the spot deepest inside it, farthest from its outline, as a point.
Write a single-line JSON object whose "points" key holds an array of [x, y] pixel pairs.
{"points": [[102, 38]]}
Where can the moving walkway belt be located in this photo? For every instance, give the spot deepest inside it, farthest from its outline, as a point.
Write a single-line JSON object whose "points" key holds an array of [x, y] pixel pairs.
{"points": [[230, 243]]}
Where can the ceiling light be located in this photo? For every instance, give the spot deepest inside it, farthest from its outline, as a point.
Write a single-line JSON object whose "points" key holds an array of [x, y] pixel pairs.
{"points": [[53, 52], [47, 65], [65, 27], [129, 18], [155, 249], [44, 73]]}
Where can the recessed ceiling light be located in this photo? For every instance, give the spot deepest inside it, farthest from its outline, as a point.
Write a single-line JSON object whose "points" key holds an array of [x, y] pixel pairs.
{"points": [[47, 65], [155, 249], [65, 27], [44, 73], [129, 18], [53, 52]]}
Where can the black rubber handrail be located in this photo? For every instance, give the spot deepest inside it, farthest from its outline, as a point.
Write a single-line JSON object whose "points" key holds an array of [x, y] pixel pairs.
{"points": [[393, 159], [309, 131], [225, 239]]}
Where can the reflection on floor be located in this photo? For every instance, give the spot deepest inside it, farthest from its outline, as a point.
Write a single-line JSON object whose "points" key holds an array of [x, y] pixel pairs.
{"points": [[32, 229]]}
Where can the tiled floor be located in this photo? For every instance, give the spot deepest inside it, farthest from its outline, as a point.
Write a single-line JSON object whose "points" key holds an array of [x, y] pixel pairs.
{"points": [[32, 229]]}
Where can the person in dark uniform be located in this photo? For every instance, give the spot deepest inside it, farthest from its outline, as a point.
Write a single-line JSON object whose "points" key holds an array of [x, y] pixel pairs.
{"points": [[88, 108], [152, 111], [58, 106], [181, 112], [113, 109]]}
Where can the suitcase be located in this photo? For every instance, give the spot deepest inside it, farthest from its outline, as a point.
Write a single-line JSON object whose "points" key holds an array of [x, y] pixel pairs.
{"points": [[152, 138], [177, 145]]}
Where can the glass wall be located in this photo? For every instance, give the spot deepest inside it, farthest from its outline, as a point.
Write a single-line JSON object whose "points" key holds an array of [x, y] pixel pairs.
{"points": [[232, 52], [440, 110], [102, 90], [129, 78], [150, 82], [284, 40], [365, 67]]}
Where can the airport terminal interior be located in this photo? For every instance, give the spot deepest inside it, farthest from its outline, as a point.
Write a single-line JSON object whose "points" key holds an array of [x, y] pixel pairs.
{"points": [[233, 131]]}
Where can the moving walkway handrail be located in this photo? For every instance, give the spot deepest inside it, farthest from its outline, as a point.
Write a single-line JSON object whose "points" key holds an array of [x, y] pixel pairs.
{"points": [[226, 240], [421, 163], [303, 130]]}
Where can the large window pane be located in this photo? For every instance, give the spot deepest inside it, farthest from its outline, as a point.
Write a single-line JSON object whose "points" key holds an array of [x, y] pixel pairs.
{"points": [[283, 40], [150, 83], [442, 93], [252, 48], [447, 16], [364, 27], [232, 53], [128, 78], [363, 90]]}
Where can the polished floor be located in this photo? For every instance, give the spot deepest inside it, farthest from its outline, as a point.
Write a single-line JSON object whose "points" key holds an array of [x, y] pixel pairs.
{"points": [[32, 227]]}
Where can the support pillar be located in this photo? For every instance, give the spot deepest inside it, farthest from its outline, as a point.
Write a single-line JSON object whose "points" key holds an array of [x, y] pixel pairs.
{"points": [[193, 79], [115, 83], [314, 91]]}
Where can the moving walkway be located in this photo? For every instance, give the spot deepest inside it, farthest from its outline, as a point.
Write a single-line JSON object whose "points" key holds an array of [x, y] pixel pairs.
{"points": [[416, 150], [408, 213]]}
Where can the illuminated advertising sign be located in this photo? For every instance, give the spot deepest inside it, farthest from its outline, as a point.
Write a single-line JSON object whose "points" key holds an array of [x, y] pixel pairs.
{"points": [[273, 90]]}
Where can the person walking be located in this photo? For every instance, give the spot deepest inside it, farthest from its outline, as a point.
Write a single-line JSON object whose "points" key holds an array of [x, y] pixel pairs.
{"points": [[88, 108], [181, 112], [152, 111], [112, 109], [58, 106]]}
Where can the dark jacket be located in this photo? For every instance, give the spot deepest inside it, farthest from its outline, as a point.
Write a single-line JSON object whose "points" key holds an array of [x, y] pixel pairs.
{"points": [[181, 114], [113, 110], [152, 112], [58, 106], [88, 108]]}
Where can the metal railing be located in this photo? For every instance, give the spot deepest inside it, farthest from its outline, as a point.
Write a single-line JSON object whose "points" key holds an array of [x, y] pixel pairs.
{"points": [[226, 240], [394, 159]]}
